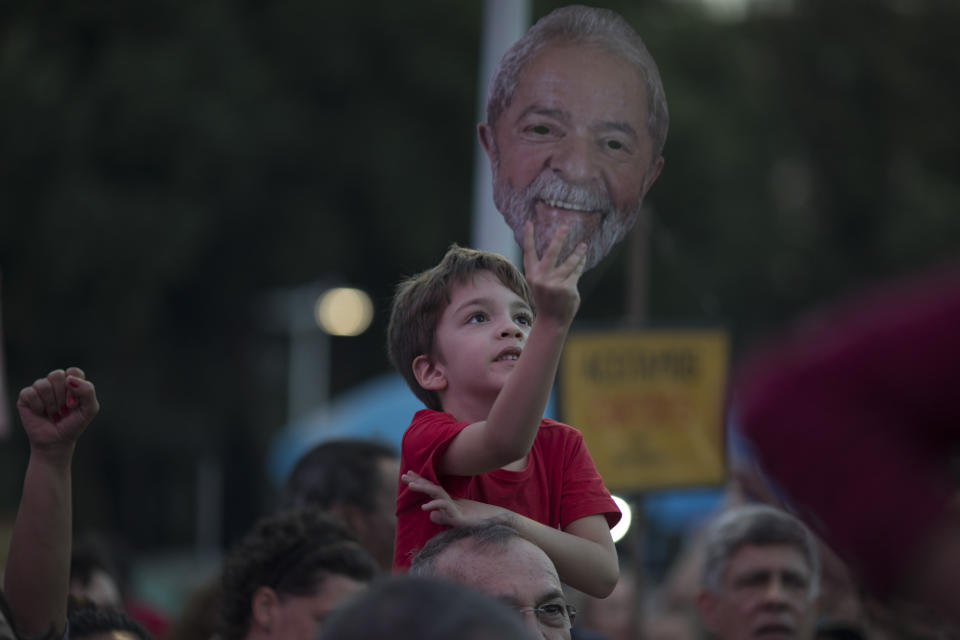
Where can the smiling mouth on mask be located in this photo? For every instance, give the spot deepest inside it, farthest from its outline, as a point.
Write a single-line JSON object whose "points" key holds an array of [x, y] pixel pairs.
{"points": [[555, 192], [568, 206]]}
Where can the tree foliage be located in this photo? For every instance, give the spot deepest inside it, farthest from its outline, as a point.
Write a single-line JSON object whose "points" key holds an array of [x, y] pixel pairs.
{"points": [[164, 165]]}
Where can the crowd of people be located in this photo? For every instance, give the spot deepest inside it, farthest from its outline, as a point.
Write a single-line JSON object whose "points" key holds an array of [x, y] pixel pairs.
{"points": [[493, 522]]}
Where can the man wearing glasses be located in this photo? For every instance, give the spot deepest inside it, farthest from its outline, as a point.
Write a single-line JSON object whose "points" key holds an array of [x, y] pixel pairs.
{"points": [[495, 559]]}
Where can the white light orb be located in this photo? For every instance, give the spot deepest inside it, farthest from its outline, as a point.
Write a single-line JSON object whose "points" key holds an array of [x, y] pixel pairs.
{"points": [[343, 311], [620, 529]]}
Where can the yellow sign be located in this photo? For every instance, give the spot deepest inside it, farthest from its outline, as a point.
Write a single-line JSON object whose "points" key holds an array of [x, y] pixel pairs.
{"points": [[649, 404]]}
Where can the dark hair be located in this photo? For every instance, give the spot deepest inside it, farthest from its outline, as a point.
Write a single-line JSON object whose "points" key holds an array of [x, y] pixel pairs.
{"points": [[420, 300], [91, 553], [488, 535], [338, 472], [87, 621], [292, 552], [758, 525], [411, 608]]}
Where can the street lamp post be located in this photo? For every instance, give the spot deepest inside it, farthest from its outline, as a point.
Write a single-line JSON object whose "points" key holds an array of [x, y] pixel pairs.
{"points": [[313, 313]]}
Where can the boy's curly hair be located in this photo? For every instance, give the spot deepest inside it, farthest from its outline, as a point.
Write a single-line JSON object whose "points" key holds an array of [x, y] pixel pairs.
{"points": [[421, 299], [291, 552]]}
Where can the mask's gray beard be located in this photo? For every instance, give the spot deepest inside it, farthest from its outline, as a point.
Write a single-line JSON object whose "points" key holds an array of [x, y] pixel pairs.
{"points": [[518, 206]]}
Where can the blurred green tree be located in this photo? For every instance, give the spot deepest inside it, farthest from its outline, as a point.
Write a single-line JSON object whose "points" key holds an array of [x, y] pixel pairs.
{"points": [[162, 165]]}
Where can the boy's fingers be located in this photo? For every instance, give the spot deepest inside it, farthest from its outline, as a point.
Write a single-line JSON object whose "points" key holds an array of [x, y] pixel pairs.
{"points": [[581, 261], [574, 262], [556, 243], [435, 504], [529, 246]]}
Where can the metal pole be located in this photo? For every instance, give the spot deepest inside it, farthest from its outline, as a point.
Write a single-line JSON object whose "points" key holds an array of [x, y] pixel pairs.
{"points": [[504, 22]]}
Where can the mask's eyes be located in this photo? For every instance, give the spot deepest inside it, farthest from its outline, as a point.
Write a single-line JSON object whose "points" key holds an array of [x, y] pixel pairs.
{"points": [[524, 319], [540, 129], [613, 144]]}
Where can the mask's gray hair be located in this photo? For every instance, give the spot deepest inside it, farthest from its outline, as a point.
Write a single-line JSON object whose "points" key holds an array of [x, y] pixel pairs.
{"points": [[577, 24], [758, 525]]}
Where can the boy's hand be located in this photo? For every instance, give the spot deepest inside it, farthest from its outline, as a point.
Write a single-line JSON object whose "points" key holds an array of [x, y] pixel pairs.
{"points": [[447, 511], [55, 410], [554, 286]]}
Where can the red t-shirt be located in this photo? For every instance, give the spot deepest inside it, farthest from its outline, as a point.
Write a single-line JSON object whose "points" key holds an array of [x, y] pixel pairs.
{"points": [[560, 483]]}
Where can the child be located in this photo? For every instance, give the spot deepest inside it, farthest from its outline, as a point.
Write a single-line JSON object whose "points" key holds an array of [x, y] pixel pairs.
{"points": [[463, 336]]}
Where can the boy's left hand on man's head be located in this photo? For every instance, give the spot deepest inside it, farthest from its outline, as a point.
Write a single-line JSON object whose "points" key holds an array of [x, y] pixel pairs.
{"points": [[452, 512]]}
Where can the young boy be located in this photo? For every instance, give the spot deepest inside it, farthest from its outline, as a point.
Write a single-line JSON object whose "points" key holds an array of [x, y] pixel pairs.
{"points": [[463, 336]]}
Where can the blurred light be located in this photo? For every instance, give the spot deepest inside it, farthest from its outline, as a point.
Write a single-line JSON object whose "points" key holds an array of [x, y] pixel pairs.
{"points": [[343, 311], [621, 527]]}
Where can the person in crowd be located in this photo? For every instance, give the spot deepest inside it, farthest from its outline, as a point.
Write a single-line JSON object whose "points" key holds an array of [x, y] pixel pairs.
{"points": [[96, 577], [497, 560], [409, 608], [463, 336], [616, 617], [104, 623], [853, 416], [54, 410], [199, 618], [287, 574], [761, 573], [576, 121], [355, 480]]}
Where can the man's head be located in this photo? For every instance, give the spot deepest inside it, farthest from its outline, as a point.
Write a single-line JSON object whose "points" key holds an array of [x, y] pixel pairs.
{"points": [[95, 574], [576, 123], [292, 569], [404, 607], [420, 301], [355, 480], [91, 622], [761, 575], [496, 560]]}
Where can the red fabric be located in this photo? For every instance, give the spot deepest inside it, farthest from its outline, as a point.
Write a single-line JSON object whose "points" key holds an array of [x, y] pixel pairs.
{"points": [[152, 620], [560, 483], [856, 419]]}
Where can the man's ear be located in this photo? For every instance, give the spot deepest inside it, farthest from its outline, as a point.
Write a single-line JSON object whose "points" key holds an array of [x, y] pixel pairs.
{"points": [[652, 175], [354, 517], [264, 607], [707, 604], [429, 374], [487, 140]]}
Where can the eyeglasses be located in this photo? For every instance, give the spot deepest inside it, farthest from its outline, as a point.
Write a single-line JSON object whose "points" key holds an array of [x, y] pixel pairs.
{"points": [[553, 615]]}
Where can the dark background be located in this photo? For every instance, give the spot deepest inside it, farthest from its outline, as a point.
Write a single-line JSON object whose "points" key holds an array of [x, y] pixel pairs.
{"points": [[165, 165]]}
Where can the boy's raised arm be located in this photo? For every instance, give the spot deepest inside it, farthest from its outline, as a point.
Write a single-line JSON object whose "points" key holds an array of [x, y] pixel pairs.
{"points": [[511, 426], [54, 410]]}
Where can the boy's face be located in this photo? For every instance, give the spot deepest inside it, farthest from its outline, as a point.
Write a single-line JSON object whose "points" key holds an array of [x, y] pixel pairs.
{"points": [[479, 337]]}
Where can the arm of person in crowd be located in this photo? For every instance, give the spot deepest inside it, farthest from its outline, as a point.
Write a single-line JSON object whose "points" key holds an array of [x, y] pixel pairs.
{"points": [[54, 410], [511, 426], [584, 553]]}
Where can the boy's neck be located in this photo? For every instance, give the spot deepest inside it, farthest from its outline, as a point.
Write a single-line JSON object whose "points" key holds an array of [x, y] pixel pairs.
{"points": [[468, 409]]}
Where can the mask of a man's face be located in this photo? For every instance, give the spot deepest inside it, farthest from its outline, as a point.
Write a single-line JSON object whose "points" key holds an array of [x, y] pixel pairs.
{"points": [[573, 149]]}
